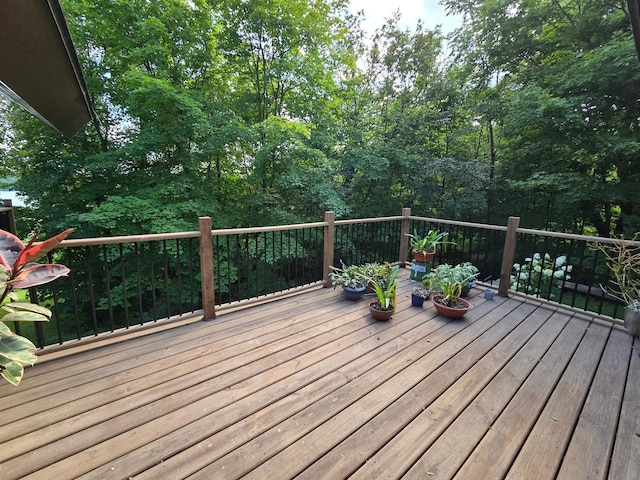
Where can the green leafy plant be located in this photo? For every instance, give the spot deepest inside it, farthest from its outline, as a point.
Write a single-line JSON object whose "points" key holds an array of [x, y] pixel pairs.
{"points": [[375, 271], [18, 270], [427, 243], [450, 280], [348, 276], [466, 273], [385, 288], [420, 290]]}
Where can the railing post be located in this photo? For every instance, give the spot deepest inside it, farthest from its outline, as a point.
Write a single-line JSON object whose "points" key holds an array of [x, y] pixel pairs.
{"points": [[404, 240], [508, 256], [206, 268], [329, 240]]}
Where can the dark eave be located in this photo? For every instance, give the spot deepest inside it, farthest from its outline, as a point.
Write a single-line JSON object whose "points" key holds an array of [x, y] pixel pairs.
{"points": [[39, 68]]}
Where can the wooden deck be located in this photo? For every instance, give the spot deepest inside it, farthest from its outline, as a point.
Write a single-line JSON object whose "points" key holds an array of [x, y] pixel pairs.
{"points": [[312, 387]]}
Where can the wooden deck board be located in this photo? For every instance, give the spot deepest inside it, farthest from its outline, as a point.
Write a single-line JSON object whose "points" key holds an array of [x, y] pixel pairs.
{"points": [[493, 456], [314, 396], [321, 379], [454, 445], [625, 462], [311, 387], [341, 423], [553, 429], [592, 441], [425, 408]]}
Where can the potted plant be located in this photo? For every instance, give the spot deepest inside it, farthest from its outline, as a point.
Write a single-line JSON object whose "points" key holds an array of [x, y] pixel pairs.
{"points": [[17, 271], [385, 289], [467, 273], [449, 281], [350, 278], [419, 294], [424, 247], [374, 271], [623, 259]]}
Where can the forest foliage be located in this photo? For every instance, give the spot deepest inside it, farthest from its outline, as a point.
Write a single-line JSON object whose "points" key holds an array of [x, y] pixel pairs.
{"points": [[257, 112]]}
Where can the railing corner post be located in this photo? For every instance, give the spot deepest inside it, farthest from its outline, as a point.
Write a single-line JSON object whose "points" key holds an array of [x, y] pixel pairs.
{"points": [[206, 268], [329, 240], [404, 240], [508, 256]]}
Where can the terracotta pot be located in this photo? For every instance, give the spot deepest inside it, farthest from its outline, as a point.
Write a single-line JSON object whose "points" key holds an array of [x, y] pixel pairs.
{"points": [[423, 257], [380, 314], [450, 312]]}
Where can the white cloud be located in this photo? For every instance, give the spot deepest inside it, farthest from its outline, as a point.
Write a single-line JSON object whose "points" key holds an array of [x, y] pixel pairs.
{"points": [[429, 11]]}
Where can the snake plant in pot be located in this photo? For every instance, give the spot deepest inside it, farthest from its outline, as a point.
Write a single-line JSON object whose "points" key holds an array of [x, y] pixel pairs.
{"points": [[18, 270]]}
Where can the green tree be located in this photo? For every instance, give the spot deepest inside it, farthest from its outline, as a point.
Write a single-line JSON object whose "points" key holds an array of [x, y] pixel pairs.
{"points": [[566, 76]]}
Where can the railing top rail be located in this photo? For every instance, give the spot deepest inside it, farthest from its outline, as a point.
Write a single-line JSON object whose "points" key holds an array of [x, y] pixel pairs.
{"points": [[571, 236], [485, 226], [85, 242], [273, 228], [82, 242], [368, 220]]}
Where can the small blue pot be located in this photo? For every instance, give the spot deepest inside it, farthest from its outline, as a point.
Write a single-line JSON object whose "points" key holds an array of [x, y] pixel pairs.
{"points": [[416, 300]]}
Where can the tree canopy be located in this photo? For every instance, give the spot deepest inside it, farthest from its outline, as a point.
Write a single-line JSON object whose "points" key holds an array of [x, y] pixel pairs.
{"points": [[272, 111]]}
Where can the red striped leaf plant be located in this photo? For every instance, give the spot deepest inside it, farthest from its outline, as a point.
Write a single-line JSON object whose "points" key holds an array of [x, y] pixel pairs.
{"points": [[19, 270]]}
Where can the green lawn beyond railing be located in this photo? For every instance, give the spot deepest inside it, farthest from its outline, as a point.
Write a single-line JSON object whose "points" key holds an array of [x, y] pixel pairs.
{"points": [[120, 282]]}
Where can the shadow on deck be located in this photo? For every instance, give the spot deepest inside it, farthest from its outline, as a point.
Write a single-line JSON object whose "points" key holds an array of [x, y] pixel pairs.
{"points": [[312, 387]]}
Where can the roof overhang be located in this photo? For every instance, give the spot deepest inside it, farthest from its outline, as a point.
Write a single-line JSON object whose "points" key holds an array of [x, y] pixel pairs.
{"points": [[39, 68]]}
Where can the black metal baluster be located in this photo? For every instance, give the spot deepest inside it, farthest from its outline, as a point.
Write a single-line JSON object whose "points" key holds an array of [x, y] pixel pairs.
{"points": [[139, 282], [123, 277], [91, 290], [167, 285], [153, 280], [178, 277], [107, 283]]}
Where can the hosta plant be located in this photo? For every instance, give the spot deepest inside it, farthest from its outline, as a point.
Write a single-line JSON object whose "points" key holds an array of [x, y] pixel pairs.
{"points": [[18, 270]]}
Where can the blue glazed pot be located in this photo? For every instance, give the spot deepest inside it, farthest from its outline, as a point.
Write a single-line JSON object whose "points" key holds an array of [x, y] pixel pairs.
{"points": [[354, 293]]}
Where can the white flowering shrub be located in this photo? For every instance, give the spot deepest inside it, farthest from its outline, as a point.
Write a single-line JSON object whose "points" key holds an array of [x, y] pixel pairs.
{"points": [[537, 275]]}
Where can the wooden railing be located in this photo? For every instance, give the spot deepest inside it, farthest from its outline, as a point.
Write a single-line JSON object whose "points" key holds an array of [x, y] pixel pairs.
{"points": [[119, 283]]}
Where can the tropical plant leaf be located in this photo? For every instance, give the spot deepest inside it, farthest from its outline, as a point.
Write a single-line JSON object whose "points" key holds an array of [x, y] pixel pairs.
{"points": [[39, 274], [30, 307], [17, 349], [24, 316], [34, 251], [10, 249], [11, 371], [4, 330]]}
